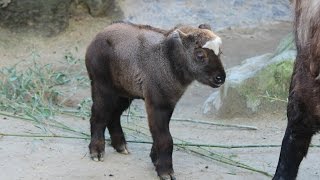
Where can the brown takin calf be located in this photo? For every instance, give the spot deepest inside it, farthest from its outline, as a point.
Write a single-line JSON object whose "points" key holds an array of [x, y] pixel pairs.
{"points": [[304, 95], [127, 61]]}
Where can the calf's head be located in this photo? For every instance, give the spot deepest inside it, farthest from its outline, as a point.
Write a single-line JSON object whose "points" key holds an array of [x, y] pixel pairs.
{"points": [[202, 50]]}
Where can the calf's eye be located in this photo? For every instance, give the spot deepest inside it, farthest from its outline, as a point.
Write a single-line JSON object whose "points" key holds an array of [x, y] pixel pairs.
{"points": [[200, 55]]}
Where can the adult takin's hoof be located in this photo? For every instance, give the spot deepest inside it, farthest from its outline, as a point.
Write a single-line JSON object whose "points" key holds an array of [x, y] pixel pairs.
{"points": [[153, 156], [167, 177]]}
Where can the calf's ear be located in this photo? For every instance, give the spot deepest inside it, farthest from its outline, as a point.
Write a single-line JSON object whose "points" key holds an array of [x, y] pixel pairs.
{"points": [[181, 37], [174, 38], [205, 26], [177, 35], [186, 38]]}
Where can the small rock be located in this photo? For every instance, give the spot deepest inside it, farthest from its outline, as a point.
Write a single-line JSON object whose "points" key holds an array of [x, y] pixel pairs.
{"points": [[99, 7], [259, 85]]}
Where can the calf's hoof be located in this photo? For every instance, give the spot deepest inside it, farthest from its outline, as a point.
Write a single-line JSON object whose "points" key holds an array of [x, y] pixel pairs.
{"points": [[97, 156], [167, 177], [122, 149], [97, 151]]}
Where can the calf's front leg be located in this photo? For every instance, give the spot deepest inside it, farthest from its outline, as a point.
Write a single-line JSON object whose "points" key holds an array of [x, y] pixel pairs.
{"points": [[159, 114]]}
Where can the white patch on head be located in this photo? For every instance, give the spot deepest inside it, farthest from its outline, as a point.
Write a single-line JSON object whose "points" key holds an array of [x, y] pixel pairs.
{"points": [[214, 45]]}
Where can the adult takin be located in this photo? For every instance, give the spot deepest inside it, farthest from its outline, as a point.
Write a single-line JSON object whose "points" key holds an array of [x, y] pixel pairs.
{"points": [[303, 109], [127, 61]]}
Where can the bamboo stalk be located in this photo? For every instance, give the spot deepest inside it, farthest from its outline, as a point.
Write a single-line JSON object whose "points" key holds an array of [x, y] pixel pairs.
{"points": [[232, 163], [15, 116], [216, 156], [223, 159], [149, 142], [217, 124], [72, 113], [62, 126], [43, 136], [275, 99], [203, 122]]}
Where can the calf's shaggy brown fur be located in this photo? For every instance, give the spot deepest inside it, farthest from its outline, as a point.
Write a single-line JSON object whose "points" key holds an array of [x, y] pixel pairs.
{"points": [[303, 110], [127, 61]]}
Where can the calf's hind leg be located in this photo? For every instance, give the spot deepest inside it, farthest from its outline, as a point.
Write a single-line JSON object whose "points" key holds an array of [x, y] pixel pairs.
{"points": [[114, 126], [106, 111], [296, 141]]}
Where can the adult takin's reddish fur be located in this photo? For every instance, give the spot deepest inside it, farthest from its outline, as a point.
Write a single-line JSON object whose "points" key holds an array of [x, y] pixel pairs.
{"points": [[304, 95], [127, 61]]}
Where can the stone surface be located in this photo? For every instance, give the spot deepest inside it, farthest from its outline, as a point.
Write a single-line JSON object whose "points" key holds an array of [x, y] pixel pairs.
{"points": [[4, 3], [49, 17], [260, 84], [46, 16], [219, 14]]}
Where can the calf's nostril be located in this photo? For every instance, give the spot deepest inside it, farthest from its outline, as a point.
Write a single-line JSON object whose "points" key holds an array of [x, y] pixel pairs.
{"points": [[219, 79]]}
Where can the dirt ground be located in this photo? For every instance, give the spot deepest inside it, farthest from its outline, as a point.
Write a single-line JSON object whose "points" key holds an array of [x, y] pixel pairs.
{"points": [[58, 158]]}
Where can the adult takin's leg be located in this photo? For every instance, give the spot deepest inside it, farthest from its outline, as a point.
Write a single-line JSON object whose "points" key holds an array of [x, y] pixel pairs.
{"points": [[296, 141], [159, 115]]}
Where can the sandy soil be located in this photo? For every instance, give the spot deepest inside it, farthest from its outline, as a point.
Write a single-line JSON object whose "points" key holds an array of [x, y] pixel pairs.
{"points": [[57, 158]]}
